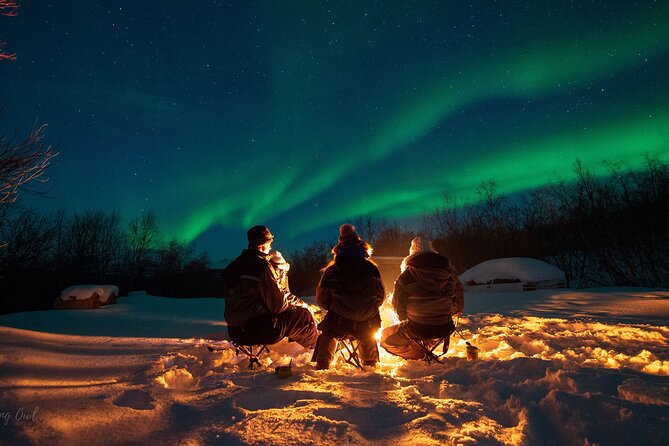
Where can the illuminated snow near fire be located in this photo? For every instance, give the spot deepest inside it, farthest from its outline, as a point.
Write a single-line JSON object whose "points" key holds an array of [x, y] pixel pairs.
{"points": [[543, 374]]}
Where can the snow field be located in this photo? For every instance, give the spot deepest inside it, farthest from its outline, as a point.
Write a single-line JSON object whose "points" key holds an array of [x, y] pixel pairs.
{"points": [[542, 377], [525, 388]]}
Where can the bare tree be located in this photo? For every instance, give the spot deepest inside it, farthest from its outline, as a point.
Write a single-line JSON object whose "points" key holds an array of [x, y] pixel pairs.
{"points": [[198, 264], [141, 237], [92, 242], [110, 242], [305, 267], [5, 56], [172, 258], [29, 240], [393, 240], [494, 211], [7, 8], [369, 229], [22, 163], [657, 177], [445, 219]]}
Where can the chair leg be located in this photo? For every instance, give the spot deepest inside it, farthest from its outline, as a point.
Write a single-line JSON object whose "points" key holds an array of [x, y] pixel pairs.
{"points": [[352, 350], [254, 358], [433, 355], [429, 352]]}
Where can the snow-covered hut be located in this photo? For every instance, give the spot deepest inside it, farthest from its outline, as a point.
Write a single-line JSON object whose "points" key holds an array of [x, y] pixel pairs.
{"points": [[512, 274], [389, 267], [86, 296]]}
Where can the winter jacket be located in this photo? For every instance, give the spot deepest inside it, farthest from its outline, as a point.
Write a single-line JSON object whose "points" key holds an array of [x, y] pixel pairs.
{"points": [[281, 278], [251, 289], [428, 292], [351, 287]]}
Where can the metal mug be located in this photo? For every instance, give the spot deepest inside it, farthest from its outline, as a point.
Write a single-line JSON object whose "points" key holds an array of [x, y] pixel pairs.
{"points": [[283, 371]]}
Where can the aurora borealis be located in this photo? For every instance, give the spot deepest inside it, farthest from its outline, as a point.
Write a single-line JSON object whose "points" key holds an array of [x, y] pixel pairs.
{"points": [[301, 115]]}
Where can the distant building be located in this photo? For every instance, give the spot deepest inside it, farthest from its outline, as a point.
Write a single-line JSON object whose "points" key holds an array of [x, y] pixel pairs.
{"points": [[389, 267], [513, 274]]}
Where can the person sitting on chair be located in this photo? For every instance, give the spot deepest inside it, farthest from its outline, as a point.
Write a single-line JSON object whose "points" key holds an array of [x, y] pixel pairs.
{"points": [[427, 295], [257, 311], [351, 291]]}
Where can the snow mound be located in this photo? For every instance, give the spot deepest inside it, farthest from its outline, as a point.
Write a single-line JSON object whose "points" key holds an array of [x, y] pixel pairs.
{"points": [[85, 292], [639, 391], [523, 269], [178, 379]]}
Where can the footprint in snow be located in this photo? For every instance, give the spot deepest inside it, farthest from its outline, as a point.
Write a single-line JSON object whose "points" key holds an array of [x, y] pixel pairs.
{"points": [[135, 399]]}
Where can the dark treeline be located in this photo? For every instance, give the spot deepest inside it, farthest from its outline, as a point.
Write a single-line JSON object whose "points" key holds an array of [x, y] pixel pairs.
{"points": [[43, 254], [607, 231], [600, 231]]}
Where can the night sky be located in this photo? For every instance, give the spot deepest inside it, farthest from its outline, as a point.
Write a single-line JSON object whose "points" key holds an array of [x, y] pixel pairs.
{"points": [[302, 115]]}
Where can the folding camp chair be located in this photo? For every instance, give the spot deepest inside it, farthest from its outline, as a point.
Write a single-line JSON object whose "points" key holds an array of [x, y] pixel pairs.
{"points": [[351, 346], [429, 349], [254, 358]]}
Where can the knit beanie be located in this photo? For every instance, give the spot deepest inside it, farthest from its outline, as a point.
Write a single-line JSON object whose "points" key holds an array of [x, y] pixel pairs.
{"points": [[347, 233], [259, 235], [420, 243]]}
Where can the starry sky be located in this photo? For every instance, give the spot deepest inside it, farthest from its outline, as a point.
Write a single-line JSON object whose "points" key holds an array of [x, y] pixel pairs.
{"points": [[302, 115]]}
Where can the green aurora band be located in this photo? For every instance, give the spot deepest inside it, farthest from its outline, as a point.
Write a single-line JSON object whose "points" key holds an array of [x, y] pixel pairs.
{"points": [[534, 71]]}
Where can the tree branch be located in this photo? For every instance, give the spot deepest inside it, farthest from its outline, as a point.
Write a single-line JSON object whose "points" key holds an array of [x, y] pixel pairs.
{"points": [[23, 163]]}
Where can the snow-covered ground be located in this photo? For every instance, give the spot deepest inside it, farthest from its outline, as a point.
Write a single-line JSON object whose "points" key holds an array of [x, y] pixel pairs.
{"points": [[556, 367]]}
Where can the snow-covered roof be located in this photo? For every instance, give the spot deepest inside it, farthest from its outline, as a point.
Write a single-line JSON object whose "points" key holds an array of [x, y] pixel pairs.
{"points": [[521, 268], [83, 292]]}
